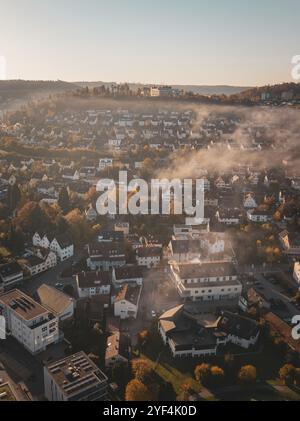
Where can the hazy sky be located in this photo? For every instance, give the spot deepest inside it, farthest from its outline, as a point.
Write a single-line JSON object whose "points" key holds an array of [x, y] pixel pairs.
{"points": [[238, 42]]}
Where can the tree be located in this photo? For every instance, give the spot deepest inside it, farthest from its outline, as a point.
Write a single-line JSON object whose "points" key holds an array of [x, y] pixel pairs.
{"points": [[69, 290], [64, 200], [119, 372], [137, 391], [229, 361], [203, 373], [14, 196], [141, 369], [287, 373], [186, 390], [217, 376], [31, 218], [247, 375], [78, 226], [143, 337], [15, 240], [297, 376]]}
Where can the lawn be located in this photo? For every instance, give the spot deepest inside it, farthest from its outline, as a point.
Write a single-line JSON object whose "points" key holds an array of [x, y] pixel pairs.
{"points": [[8, 393], [4, 252], [172, 375], [168, 369]]}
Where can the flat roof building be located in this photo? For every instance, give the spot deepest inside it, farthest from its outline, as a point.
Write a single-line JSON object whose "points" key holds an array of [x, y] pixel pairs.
{"points": [[75, 378]]}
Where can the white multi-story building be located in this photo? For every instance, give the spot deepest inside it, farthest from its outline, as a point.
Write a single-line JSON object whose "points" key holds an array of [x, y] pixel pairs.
{"points": [[75, 378], [61, 244], [106, 255], [128, 274], [90, 284], [126, 303], [213, 281], [36, 264], [148, 257], [154, 91], [30, 323], [63, 247]]}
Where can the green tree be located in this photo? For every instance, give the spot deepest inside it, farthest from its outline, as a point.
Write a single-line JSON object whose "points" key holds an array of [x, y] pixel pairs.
{"points": [[14, 196], [64, 200]]}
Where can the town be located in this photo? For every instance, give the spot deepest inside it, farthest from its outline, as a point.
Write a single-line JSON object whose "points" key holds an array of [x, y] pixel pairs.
{"points": [[147, 307]]}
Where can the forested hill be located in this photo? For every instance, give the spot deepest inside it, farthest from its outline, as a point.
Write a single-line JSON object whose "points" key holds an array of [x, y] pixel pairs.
{"points": [[23, 89]]}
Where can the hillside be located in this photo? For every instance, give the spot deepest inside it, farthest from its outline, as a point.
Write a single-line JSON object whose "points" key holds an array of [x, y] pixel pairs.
{"points": [[11, 90], [196, 89], [291, 90]]}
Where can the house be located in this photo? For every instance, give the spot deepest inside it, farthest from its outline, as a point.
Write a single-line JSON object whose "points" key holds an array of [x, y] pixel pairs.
{"points": [[179, 230], [297, 273], [220, 183], [87, 172], [56, 301], [249, 202], [75, 378], [138, 165], [204, 335], [202, 247], [91, 214], [126, 304], [229, 216], [41, 239], [81, 188], [106, 255], [117, 349], [186, 337], [105, 163], [128, 274], [30, 323], [111, 236], [70, 174], [239, 330], [62, 246], [206, 282], [261, 216], [122, 227], [94, 283], [148, 257], [290, 242], [45, 188], [11, 274], [35, 264]]}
